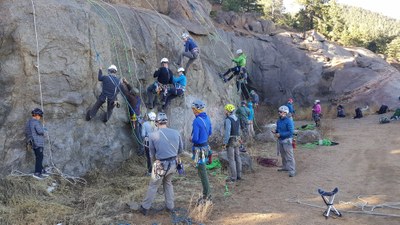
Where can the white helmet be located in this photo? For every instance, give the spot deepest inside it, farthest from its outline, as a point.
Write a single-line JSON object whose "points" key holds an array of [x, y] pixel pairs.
{"points": [[164, 60], [113, 67], [283, 108], [239, 51], [185, 35], [317, 101], [152, 116], [181, 69]]}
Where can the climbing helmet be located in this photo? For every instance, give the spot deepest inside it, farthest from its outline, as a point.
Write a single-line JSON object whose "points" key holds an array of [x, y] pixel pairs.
{"points": [[229, 107]]}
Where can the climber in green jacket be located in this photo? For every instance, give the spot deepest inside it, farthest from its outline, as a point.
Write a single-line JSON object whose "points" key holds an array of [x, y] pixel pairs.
{"points": [[240, 67]]}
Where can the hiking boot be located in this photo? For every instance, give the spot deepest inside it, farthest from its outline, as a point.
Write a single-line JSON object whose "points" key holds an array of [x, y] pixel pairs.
{"points": [[38, 176], [230, 180], [143, 211], [282, 170], [239, 178], [292, 174]]}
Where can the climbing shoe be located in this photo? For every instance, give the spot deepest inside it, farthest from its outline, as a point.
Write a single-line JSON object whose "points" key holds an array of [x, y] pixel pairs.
{"points": [[88, 117], [282, 170]]}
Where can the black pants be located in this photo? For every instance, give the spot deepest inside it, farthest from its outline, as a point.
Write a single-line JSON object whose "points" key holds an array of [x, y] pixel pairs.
{"points": [[147, 151], [98, 104], [172, 93], [39, 159], [235, 70]]}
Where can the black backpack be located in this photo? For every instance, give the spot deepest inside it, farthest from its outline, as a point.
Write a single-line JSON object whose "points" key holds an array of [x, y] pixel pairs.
{"points": [[358, 113], [383, 109]]}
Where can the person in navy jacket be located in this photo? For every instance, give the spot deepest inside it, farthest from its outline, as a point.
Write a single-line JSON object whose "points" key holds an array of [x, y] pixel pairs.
{"points": [[191, 51]]}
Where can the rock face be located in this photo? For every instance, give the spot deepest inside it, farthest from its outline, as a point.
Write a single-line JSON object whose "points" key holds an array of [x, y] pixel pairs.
{"points": [[74, 38]]}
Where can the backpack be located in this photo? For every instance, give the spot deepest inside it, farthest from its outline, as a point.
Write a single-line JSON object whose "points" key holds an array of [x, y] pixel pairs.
{"points": [[383, 109], [358, 113]]}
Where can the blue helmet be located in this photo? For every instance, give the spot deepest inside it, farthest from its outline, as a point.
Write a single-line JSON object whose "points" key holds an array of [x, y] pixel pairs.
{"points": [[250, 104], [37, 111]]}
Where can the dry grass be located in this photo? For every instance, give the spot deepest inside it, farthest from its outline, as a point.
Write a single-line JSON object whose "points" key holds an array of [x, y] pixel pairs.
{"points": [[200, 212]]}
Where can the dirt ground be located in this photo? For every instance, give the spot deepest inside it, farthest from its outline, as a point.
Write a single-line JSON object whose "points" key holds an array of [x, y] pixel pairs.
{"points": [[364, 166]]}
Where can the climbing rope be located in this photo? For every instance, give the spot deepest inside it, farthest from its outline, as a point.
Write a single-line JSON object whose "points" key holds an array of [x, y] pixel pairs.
{"points": [[97, 6], [37, 57], [16, 172]]}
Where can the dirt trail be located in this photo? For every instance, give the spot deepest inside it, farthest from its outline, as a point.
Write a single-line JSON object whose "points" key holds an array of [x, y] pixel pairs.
{"points": [[365, 163]]}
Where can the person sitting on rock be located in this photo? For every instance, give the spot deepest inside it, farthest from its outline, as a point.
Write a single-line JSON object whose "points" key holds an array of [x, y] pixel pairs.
{"points": [[340, 111], [164, 77], [110, 90], [255, 99], [240, 67], [191, 51], [231, 142], [178, 89], [316, 113]]}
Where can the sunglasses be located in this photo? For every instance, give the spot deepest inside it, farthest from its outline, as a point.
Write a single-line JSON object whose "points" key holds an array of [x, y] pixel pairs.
{"points": [[280, 111]]}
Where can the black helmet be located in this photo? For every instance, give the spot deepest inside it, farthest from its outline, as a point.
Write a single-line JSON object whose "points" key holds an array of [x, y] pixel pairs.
{"points": [[37, 111]]}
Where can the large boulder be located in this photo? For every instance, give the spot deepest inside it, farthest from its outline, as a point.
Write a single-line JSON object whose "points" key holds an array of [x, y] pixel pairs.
{"points": [[247, 161], [308, 136]]}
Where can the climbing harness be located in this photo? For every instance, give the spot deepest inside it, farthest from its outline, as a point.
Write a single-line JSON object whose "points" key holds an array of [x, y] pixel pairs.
{"points": [[328, 198]]}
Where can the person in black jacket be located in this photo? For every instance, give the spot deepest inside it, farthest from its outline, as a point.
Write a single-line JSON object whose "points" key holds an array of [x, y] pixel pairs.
{"points": [[109, 93], [164, 77]]}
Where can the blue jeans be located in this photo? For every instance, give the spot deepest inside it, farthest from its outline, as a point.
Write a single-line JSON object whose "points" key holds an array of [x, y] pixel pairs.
{"points": [[39, 159]]}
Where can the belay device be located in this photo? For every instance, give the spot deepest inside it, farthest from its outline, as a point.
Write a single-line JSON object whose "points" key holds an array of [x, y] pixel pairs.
{"points": [[328, 198]]}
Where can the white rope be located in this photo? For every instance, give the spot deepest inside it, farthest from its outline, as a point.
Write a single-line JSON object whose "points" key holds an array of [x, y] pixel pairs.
{"points": [[19, 173], [38, 58]]}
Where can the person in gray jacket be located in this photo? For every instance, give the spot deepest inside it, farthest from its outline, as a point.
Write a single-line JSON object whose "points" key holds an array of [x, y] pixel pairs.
{"points": [[110, 90], [34, 132], [148, 127], [165, 145], [231, 142]]}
